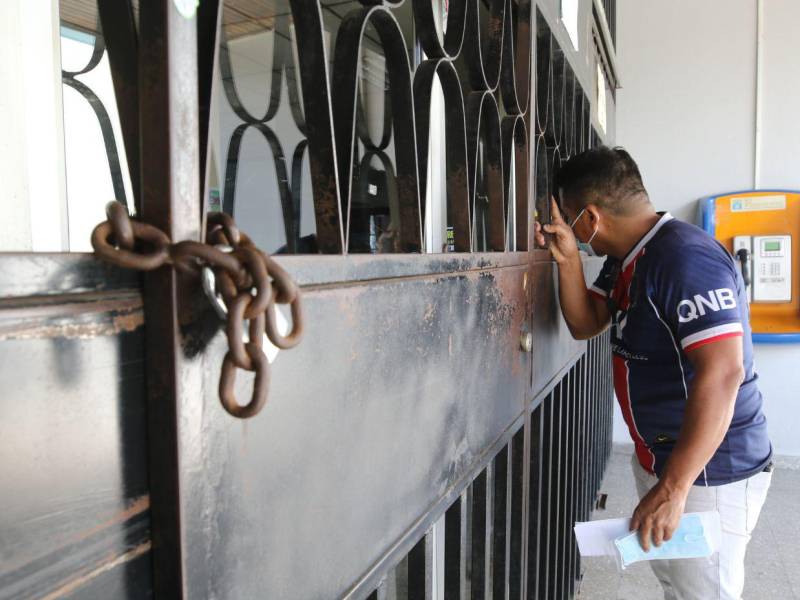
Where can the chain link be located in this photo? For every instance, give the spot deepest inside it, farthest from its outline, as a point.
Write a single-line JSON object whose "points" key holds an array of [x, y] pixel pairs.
{"points": [[248, 282]]}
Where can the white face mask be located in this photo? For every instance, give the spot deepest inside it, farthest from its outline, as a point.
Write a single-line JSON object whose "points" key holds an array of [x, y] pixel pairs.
{"points": [[587, 245], [697, 536]]}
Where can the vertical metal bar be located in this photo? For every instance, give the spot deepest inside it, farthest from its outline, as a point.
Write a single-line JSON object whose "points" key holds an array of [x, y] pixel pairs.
{"points": [[579, 504], [170, 201], [596, 384], [579, 386], [575, 478], [499, 525], [465, 568], [563, 567], [603, 416], [602, 412], [534, 502], [606, 420], [478, 526], [596, 409], [582, 504], [555, 511], [544, 586], [525, 506], [591, 416], [576, 404], [310, 42], [582, 440], [452, 551], [119, 34], [383, 591], [604, 408], [569, 566], [563, 488], [507, 508], [389, 585], [420, 569], [515, 521], [489, 537], [609, 392], [586, 429]]}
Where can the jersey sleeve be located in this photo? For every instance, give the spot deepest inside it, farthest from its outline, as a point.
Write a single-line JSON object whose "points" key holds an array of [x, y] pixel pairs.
{"points": [[700, 297], [604, 283]]}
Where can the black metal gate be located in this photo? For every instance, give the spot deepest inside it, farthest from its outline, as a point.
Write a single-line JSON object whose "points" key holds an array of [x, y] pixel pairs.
{"points": [[438, 431], [508, 527]]}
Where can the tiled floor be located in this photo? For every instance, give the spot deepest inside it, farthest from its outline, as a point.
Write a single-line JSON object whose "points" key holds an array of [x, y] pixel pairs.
{"points": [[773, 556]]}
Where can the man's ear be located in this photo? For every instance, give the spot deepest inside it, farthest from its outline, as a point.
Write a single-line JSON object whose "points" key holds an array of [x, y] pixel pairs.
{"points": [[594, 213]]}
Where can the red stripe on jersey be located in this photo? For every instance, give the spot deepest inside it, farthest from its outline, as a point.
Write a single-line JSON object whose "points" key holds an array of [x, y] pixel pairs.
{"points": [[646, 458], [622, 289], [716, 338]]}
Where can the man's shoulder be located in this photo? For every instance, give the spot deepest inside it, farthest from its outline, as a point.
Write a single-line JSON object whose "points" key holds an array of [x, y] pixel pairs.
{"points": [[686, 253], [680, 243], [677, 233]]}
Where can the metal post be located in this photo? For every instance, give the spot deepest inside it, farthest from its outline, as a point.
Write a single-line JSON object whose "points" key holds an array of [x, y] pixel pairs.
{"points": [[170, 201]]}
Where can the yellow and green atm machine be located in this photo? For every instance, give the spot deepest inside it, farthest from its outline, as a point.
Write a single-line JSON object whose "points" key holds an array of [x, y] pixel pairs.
{"points": [[761, 229]]}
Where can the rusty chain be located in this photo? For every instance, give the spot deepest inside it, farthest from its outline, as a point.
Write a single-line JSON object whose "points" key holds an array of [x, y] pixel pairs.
{"points": [[248, 282]]}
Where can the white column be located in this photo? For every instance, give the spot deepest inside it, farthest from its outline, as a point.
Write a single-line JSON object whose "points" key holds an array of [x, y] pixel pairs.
{"points": [[32, 170]]}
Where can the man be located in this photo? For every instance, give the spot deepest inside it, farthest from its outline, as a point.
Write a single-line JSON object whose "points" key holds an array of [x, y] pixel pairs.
{"points": [[682, 361]]}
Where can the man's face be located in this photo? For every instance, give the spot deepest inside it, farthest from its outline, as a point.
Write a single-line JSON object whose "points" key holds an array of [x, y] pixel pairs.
{"points": [[585, 223]]}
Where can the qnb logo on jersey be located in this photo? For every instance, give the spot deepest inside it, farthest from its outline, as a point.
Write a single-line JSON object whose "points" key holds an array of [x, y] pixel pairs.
{"points": [[714, 300]]}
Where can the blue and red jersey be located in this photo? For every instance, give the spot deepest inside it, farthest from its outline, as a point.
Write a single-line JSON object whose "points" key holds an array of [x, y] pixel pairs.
{"points": [[679, 289]]}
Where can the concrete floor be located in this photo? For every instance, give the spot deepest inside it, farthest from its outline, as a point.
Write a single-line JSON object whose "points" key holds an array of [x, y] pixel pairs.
{"points": [[772, 565]]}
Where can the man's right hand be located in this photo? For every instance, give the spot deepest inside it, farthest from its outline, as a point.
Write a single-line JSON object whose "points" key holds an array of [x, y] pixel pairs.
{"points": [[563, 245]]}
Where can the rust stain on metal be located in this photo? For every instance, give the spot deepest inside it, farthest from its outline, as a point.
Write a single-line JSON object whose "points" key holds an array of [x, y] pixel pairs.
{"points": [[128, 322], [75, 584], [81, 316], [135, 508]]}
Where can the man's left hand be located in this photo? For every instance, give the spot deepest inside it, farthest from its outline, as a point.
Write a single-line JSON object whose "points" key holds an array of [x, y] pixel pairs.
{"points": [[658, 514]]}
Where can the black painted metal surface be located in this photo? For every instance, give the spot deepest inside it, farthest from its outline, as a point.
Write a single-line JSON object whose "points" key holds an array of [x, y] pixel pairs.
{"points": [[74, 515]]}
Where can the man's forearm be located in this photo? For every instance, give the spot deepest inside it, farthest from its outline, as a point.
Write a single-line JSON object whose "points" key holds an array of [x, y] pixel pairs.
{"points": [[576, 304], [708, 415]]}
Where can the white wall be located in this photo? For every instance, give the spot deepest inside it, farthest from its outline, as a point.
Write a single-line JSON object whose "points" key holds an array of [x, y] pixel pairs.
{"points": [[780, 142], [687, 113], [780, 168], [687, 108]]}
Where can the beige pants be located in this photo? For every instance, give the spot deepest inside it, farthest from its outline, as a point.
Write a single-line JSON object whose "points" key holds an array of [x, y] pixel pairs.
{"points": [[720, 577]]}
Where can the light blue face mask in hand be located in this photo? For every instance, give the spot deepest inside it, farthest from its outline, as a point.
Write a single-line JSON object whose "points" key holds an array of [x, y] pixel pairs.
{"points": [[690, 540]]}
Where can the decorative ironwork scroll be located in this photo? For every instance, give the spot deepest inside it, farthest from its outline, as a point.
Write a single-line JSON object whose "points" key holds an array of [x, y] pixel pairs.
{"points": [[360, 96], [563, 116], [70, 78]]}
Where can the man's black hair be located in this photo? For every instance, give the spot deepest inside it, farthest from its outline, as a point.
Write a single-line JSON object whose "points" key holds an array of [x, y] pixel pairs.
{"points": [[603, 176]]}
